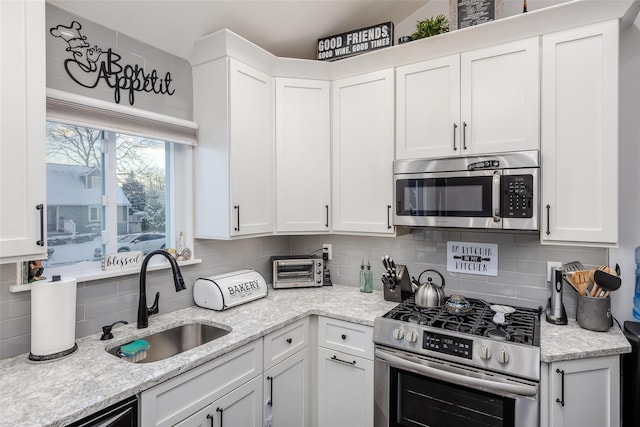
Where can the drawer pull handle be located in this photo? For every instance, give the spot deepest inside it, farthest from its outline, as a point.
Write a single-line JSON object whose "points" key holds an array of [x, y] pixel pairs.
{"points": [[220, 410], [455, 127], [210, 418], [327, 223], [40, 207], [289, 340], [548, 215], [270, 401], [334, 357], [344, 336], [561, 400]]}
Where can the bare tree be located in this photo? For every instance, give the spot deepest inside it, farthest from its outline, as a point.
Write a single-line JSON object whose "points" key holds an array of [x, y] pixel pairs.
{"points": [[76, 145]]}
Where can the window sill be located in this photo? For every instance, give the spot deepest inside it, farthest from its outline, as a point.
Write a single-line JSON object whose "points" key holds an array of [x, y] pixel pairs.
{"points": [[87, 273]]}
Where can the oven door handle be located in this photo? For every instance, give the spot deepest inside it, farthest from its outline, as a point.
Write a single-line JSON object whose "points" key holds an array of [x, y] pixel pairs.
{"points": [[520, 389]]}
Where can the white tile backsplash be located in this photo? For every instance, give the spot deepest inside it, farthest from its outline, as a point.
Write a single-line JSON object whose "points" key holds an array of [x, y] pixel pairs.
{"points": [[521, 276]]}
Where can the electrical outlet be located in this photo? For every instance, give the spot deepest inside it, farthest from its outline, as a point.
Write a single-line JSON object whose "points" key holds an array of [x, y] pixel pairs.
{"points": [[326, 249], [550, 266]]}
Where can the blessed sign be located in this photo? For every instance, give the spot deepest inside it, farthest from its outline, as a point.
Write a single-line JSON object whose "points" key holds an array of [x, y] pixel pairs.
{"points": [[472, 258], [355, 42], [122, 260]]}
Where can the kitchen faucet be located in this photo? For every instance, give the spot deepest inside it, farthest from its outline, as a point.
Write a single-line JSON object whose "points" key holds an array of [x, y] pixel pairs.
{"points": [[143, 311]]}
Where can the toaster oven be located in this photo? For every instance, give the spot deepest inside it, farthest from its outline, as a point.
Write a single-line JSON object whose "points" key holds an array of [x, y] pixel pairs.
{"points": [[297, 271]]}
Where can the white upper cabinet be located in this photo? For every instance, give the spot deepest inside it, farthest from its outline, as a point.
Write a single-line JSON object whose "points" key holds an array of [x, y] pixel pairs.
{"points": [[580, 135], [428, 108], [303, 155], [234, 159], [22, 131], [481, 101], [500, 103], [362, 153]]}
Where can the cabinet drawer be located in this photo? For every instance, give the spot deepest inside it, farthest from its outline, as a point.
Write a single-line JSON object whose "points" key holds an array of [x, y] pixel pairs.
{"points": [[347, 337], [175, 399], [280, 344]]}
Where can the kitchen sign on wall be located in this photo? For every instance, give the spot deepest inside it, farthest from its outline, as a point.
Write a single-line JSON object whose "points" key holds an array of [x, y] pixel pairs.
{"points": [[472, 258], [89, 65], [355, 42]]}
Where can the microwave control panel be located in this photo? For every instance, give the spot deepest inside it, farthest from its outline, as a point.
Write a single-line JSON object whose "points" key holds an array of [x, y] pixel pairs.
{"points": [[517, 196]]}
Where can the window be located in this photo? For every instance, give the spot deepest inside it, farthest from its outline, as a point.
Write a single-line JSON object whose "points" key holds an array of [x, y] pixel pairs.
{"points": [[94, 215], [122, 182]]}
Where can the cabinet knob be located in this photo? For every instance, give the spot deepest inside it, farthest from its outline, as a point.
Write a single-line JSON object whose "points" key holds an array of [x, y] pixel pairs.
{"points": [[344, 336], [289, 340]]}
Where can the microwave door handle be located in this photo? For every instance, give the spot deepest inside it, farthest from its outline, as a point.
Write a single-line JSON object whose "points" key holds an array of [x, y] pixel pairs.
{"points": [[495, 197], [464, 380]]}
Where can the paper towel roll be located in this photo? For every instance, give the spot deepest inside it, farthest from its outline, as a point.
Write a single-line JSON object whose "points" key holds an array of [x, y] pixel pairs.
{"points": [[53, 319]]}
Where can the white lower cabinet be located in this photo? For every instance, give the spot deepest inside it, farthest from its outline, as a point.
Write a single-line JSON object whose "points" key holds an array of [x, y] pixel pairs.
{"points": [[345, 374], [287, 391], [345, 390], [287, 376], [581, 393], [232, 382], [240, 408]]}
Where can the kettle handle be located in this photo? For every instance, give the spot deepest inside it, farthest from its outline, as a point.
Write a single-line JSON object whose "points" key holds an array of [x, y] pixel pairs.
{"points": [[435, 271]]}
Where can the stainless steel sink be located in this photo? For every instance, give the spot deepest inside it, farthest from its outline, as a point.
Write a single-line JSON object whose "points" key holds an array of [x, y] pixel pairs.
{"points": [[176, 340]]}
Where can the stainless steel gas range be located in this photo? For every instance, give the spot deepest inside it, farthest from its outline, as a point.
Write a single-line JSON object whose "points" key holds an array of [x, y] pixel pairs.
{"points": [[437, 369]]}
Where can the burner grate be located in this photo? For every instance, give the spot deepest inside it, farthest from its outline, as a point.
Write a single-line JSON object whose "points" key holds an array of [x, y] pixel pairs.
{"points": [[519, 327]]}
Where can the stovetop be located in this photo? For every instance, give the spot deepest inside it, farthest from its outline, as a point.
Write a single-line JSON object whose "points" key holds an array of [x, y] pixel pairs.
{"points": [[511, 347], [519, 326]]}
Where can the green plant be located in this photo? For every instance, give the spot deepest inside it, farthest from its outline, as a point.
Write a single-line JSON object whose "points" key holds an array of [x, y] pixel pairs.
{"points": [[430, 27]]}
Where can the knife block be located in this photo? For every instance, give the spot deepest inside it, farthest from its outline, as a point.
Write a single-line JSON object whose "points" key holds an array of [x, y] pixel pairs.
{"points": [[400, 289]]}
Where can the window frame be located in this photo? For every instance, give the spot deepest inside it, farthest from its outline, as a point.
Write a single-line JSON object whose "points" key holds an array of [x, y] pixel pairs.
{"points": [[178, 158]]}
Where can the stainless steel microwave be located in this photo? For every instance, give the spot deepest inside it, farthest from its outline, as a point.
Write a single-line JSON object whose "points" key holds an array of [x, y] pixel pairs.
{"points": [[498, 191]]}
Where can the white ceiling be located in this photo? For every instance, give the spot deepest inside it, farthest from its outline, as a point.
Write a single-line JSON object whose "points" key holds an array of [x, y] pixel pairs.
{"points": [[286, 28]]}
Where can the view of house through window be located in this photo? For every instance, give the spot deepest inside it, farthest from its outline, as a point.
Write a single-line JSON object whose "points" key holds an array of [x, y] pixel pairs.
{"points": [[106, 193]]}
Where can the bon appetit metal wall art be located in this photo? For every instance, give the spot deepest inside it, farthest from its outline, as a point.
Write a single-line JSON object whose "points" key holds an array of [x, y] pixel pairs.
{"points": [[88, 66]]}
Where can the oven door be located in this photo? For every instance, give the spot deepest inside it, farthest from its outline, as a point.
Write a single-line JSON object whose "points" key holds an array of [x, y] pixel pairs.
{"points": [[412, 390], [469, 199]]}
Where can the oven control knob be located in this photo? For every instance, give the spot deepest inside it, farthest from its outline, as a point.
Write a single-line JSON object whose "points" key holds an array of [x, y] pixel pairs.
{"points": [[398, 333], [485, 352], [412, 336], [503, 356]]}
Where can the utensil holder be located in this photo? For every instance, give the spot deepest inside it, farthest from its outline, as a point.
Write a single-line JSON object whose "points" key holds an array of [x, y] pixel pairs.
{"points": [[594, 314]]}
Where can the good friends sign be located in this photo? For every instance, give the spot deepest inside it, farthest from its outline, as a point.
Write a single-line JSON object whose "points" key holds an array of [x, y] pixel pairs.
{"points": [[355, 42]]}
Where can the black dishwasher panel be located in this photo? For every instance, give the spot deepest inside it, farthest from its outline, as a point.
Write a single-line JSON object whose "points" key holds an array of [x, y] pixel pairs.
{"points": [[631, 377], [122, 414]]}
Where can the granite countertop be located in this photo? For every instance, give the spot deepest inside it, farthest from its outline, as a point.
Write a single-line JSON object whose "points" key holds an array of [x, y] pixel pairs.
{"points": [[65, 390], [571, 341], [60, 392]]}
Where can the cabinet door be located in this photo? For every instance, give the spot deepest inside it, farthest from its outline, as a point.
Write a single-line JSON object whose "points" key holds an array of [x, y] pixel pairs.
{"points": [[22, 131], [589, 389], [240, 408], [500, 98], [287, 391], [428, 109], [345, 390], [303, 155], [362, 153], [252, 150], [580, 135]]}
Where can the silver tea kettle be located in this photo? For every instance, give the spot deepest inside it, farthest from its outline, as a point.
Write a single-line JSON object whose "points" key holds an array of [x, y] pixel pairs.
{"points": [[428, 294]]}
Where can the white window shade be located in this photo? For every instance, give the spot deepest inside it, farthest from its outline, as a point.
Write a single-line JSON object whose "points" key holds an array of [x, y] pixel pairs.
{"points": [[85, 111]]}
